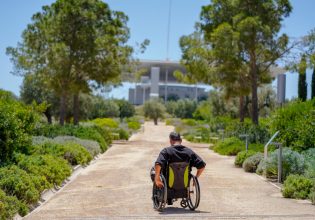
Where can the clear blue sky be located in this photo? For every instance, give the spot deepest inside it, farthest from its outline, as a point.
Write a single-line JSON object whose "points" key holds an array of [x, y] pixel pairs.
{"points": [[147, 19]]}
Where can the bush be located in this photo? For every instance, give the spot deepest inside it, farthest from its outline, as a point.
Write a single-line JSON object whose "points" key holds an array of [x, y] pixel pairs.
{"points": [[106, 122], [309, 156], [296, 125], [92, 147], [250, 164], [16, 123], [54, 169], [94, 133], [10, 206], [74, 153], [297, 187], [134, 125], [257, 133], [292, 163], [153, 109], [126, 109], [123, 134], [185, 108], [17, 182], [229, 146], [242, 156]]}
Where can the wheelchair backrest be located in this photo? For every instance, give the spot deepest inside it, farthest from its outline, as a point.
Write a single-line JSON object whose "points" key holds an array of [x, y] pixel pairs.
{"points": [[178, 175]]}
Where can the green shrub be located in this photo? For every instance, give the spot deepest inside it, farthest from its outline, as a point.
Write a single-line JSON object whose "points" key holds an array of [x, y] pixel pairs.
{"points": [[229, 146], [242, 156], [257, 133], [54, 169], [185, 108], [297, 187], [17, 121], [123, 134], [94, 133], [10, 206], [106, 122], [72, 152], [92, 147], [292, 163], [296, 125], [134, 125], [17, 182], [126, 109], [250, 164], [309, 156], [189, 122]]}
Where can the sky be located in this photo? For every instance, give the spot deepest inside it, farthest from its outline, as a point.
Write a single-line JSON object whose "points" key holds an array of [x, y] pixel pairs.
{"points": [[148, 19]]}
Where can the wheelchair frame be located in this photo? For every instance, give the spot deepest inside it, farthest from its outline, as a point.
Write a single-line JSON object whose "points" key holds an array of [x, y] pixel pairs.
{"points": [[160, 196]]}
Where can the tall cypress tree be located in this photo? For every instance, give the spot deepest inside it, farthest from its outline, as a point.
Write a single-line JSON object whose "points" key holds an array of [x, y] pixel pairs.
{"points": [[302, 86], [313, 84]]}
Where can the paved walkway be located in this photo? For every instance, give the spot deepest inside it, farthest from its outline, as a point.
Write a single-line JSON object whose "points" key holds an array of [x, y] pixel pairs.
{"points": [[117, 186]]}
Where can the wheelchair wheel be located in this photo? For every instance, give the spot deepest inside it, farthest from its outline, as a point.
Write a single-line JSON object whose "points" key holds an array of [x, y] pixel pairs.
{"points": [[193, 193], [159, 195]]}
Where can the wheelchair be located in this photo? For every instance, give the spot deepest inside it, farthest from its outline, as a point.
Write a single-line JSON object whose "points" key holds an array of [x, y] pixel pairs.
{"points": [[178, 183]]}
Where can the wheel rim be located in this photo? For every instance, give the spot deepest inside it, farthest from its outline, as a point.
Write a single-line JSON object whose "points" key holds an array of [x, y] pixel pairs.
{"points": [[193, 193], [159, 195]]}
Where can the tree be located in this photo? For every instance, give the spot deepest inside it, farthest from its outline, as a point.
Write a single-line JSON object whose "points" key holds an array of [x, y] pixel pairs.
{"points": [[302, 85], [126, 110], [36, 89], [154, 109], [71, 43], [242, 43]]}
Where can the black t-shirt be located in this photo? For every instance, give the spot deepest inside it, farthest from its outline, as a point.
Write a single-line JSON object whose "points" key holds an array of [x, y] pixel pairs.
{"points": [[179, 153]]}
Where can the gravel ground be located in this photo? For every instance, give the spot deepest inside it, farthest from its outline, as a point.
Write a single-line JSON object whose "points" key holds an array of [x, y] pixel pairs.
{"points": [[117, 186]]}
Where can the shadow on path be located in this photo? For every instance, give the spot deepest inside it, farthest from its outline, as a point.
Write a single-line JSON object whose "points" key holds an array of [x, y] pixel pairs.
{"points": [[178, 210]]}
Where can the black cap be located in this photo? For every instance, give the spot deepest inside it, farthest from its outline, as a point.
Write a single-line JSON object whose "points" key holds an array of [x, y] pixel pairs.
{"points": [[175, 136]]}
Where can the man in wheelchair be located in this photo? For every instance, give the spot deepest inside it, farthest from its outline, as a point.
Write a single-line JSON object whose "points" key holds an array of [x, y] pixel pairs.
{"points": [[172, 178]]}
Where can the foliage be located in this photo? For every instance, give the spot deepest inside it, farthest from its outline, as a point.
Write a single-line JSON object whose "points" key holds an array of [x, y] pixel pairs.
{"points": [[297, 187], [296, 125], [71, 43], [153, 109], [106, 122], [134, 125], [55, 170], [94, 133], [126, 109], [17, 182], [74, 153], [229, 146], [17, 122], [10, 206], [251, 163], [242, 156], [292, 163], [257, 133], [309, 156], [92, 147], [203, 111], [185, 108], [123, 134], [302, 85]]}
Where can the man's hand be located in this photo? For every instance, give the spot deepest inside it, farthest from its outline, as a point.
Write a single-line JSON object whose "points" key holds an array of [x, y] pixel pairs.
{"points": [[157, 178], [159, 183]]}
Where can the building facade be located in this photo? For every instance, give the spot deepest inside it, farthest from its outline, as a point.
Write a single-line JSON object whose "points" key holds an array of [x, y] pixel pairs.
{"points": [[159, 81]]}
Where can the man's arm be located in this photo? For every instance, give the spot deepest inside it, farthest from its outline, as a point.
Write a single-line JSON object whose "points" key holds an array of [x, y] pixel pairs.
{"points": [[199, 171], [157, 179]]}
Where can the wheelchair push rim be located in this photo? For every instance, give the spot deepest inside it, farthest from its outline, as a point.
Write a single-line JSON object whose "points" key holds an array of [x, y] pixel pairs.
{"points": [[193, 193], [159, 195]]}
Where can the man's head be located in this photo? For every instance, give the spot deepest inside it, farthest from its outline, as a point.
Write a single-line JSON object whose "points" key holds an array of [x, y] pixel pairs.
{"points": [[175, 138]]}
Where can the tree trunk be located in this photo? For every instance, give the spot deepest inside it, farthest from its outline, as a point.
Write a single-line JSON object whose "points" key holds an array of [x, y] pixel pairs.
{"points": [[76, 108], [48, 116], [62, 113], [254, 78], [155, 121], [242, 113]]}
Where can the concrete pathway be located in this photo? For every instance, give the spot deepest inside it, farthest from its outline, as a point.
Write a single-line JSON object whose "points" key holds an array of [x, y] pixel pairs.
{"points": [[117, 186]]}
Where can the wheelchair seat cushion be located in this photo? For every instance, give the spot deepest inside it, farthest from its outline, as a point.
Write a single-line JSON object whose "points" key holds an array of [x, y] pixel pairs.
{"points": [[178, 175]]}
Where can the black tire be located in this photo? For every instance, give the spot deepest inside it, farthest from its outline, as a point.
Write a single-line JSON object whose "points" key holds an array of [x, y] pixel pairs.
{"points": [[159, 195], [193, 193]]}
